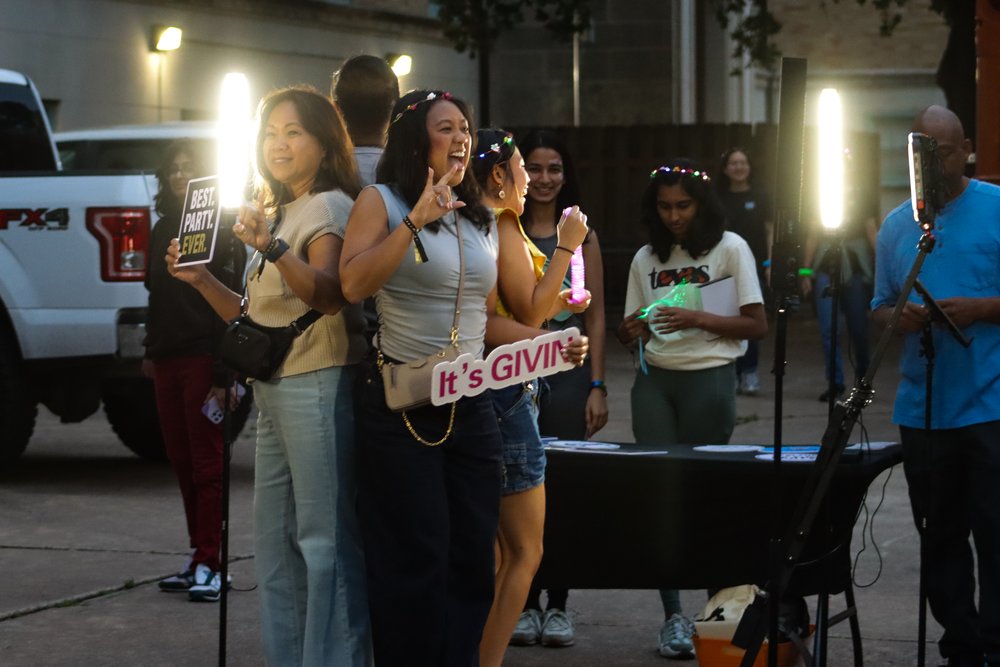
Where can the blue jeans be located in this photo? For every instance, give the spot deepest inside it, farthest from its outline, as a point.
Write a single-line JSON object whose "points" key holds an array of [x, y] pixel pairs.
{"points": [[516, 409], [854, 299], [309, 562]]}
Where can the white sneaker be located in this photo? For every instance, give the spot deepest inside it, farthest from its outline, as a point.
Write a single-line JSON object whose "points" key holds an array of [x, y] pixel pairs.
{"points": [[528, 630], [557, 629], [675, 638], [207, 586], [749, 383]]}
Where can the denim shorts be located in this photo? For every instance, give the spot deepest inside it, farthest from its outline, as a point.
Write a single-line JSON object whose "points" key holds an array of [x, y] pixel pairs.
{"points": [[516, 408]]}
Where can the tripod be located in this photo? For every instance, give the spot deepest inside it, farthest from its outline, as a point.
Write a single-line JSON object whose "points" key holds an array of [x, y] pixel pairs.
{"points": [[753, 626]]}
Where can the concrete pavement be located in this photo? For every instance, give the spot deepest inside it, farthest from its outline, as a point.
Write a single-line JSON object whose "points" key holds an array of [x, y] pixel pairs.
{"points": [[86, 529]]}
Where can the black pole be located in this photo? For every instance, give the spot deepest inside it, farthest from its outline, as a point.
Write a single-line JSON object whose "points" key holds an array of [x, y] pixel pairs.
{"points": [[836, 247], [927, 348], [785, 279], [227, 444]]}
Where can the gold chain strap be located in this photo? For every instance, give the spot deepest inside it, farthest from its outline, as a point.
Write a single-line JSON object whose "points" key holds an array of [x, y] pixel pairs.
{"points": [[416, 436]]}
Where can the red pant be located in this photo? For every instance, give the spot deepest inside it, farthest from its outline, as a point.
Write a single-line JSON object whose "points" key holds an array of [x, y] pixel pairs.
{"points": [[194, 447]]}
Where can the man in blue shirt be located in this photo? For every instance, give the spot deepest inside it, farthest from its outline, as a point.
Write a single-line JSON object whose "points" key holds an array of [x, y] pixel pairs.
{"points": [[953, 468]]}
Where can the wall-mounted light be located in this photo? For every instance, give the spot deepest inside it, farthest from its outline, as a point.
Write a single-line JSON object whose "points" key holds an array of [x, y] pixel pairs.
{"points": [[400, 63], [831, 159], [165, 38]]}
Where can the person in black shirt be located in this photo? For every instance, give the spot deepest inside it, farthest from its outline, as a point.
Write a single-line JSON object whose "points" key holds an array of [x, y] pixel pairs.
{"points": [[748, 214], [182, 333]]}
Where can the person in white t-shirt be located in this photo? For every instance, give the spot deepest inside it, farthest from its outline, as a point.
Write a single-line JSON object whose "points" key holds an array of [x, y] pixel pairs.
{"points": [[685, 388]]}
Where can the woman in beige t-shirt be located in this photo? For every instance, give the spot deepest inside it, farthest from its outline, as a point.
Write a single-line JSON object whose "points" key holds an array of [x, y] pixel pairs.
{"points": [[309, 563]]}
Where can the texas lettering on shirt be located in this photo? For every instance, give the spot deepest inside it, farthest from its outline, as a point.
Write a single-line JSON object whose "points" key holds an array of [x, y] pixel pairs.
{"points": [[689, 274]]}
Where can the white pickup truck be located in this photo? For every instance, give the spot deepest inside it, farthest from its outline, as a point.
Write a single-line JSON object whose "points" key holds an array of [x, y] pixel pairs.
{"points": [[72, 301]]}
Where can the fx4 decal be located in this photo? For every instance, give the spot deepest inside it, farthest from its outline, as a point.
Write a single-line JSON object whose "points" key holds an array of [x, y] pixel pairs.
{"points": [[35, 218]]}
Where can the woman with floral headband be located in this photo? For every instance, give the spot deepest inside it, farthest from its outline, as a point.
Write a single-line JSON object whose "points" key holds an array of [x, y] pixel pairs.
{"points": [[685, 388], [529, 294], [429, 477]]}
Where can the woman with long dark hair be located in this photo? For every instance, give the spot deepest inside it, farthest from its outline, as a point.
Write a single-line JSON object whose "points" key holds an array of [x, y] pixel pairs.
{"points": [[529, 293], [430, 476], [308, 557], [573, 405], [684, 390]]}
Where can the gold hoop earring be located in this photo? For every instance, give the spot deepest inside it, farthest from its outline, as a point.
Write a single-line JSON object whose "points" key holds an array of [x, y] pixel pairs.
{"points": [[501, 194]]}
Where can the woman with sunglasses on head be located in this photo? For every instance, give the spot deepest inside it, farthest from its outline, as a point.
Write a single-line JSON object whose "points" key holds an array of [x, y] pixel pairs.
{"points": [[528, 293], [424, 244], [182, 334], [307, 543], [685, 388]]}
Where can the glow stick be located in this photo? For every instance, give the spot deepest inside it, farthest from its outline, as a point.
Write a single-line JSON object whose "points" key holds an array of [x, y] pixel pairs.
{"points": [[577, 277], [234, 139]]}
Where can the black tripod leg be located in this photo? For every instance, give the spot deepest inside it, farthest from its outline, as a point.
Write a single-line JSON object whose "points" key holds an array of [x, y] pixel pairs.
{"points": [[852, 610]]}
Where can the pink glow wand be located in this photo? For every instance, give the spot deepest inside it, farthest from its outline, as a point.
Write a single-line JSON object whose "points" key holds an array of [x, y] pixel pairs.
{"points": [[577, 275]]}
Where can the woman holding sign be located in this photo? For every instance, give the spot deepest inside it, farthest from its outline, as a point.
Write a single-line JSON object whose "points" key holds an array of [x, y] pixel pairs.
{"points": [[529, 294], [182, 333], [309, 562], [685, 388]]}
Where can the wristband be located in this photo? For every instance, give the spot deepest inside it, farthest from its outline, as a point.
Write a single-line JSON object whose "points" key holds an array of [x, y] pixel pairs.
{"points": [[559, 247], [275, 249], [420, 255], [599, 384]]}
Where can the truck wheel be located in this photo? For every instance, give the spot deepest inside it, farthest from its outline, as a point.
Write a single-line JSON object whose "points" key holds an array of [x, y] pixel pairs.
{"points": [[130, 406], [17, 407]]}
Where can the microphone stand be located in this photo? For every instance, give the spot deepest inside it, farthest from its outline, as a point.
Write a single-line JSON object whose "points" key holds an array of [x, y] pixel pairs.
{"points": [[928, 351]]}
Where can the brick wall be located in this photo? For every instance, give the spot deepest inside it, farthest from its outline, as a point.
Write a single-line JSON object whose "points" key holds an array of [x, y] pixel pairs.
{"points": [[844, 35]]}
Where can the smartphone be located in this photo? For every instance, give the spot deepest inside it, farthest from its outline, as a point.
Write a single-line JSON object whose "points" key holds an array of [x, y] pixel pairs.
{"points": [[213, 411]]}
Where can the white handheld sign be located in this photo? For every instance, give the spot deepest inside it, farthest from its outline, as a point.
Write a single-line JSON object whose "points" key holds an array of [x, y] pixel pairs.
{"points": [[505, 365]]}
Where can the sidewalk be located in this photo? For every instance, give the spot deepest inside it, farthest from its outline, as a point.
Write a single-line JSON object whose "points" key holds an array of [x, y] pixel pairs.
{"points": [[81, 518]]}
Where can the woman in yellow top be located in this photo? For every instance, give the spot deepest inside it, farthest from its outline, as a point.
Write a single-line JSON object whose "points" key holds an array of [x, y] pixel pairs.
{"points": [[529, 295]]}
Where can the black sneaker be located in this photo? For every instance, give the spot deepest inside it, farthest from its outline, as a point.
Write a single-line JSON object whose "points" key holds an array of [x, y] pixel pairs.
{"points": [[207, 586], [177, 583]]}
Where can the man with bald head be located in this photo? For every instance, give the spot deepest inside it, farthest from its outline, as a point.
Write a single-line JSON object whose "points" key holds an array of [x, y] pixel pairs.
{"points": [[953, 468]]}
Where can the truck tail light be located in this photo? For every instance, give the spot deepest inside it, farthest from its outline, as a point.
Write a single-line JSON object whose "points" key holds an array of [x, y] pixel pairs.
{"points": [[123, 234]]}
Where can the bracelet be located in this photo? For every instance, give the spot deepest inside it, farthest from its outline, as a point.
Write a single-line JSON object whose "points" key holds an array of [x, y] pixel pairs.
{"points": [[270, 246], [560, 247], [275, 249], [420, 255], [409, 223], [599, 384]]}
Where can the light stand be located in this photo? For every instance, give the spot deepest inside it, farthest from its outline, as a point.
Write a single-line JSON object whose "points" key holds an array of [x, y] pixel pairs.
{"points": [[785, 275], [233, 161], [846, 413]]}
